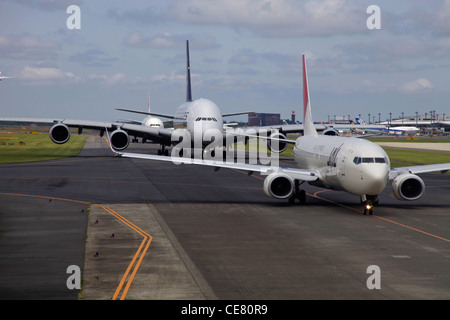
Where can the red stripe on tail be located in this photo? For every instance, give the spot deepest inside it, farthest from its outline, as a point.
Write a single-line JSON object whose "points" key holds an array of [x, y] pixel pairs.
{"points": [[305, 88]]}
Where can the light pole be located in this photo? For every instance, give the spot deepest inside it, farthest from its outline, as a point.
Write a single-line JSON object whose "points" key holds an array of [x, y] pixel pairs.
{"points": [[390, 120]]}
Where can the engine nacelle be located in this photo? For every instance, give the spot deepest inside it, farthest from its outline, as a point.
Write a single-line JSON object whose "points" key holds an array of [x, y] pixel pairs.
{"points": [[408, 187], [119, 140], [330, 132], [273, 146], [278, 186], [59, 133]]}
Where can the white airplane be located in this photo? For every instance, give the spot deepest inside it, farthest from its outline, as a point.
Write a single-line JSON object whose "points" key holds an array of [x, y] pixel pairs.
{"points": [[409, 130], [403, 130], [192, 114], [149, 121], [3, 77], [353, 165]]}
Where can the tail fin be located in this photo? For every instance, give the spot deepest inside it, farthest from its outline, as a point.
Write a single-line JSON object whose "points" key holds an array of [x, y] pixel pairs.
{"points": [[360, 121], [149, 102], [188, 75], [308, 125]]}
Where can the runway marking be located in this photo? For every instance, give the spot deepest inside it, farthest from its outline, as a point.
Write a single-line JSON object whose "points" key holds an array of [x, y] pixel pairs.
{"points": [[315, 195], [240, 171], [381, 218], [139, 253], [146, 241], [411, 228]]}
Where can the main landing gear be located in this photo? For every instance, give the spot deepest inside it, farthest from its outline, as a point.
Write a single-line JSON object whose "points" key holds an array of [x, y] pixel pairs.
{"points": [[163, 151], [299, 194], [369, 202]]}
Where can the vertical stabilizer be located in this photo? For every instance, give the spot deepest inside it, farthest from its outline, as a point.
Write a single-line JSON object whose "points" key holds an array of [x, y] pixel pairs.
{"points": [[188, 75], [149, 102], [308, 125]]}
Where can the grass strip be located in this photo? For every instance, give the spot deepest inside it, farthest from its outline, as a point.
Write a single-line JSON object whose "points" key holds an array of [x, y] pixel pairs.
{"points": [[17, 148]]}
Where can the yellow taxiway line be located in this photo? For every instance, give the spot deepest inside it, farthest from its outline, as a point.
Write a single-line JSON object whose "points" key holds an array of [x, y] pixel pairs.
{"points": [[139, 253]]}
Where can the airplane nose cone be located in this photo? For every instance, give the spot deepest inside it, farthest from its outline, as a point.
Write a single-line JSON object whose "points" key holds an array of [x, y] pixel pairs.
{"points": [[375, 180]]}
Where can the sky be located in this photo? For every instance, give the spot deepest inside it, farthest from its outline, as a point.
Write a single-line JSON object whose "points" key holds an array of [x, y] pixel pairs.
{"points": [[245, 56]]}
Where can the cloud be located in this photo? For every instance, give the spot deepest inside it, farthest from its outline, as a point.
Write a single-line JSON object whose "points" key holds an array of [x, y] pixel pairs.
{"points": [[109, 79], [45, 75], [48, 5], [417, 86], [440, 19], [275, 18], [149, 15], [173, 77], [93, 58], [166, 40], [27, 47]]}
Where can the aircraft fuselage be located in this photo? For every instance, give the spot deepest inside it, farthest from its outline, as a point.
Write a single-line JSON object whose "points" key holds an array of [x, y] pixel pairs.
{"points": [[353, 165], [200, 117]]}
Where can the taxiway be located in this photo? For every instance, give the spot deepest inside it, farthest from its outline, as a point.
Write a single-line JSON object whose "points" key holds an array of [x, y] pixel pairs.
{"points": [[193, 233]]}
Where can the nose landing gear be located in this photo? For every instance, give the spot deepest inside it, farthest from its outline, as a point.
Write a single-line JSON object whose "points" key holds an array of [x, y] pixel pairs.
{"points": [[368, 208], [369, 202]]}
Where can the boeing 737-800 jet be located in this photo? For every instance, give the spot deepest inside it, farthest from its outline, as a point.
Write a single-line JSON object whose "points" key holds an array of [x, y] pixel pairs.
{"points": [[353, 165]]}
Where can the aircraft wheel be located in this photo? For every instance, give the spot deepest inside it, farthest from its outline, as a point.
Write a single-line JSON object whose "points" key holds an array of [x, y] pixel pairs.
{"points": [[302, 196], [292, 199], [299, 195]]}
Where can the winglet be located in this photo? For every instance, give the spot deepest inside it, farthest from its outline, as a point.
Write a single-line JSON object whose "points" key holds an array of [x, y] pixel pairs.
{"points": [[188, 75], [308, 125]]}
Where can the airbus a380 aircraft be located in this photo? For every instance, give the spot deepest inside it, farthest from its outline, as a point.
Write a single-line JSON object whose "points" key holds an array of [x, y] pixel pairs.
{"points": [[149, 121], [191, 114], [354, 165]]}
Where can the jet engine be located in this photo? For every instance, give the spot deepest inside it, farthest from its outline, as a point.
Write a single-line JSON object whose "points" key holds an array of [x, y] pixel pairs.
{"points": [[119, 140], [59, 133], [278, 186], [330, 132], [408, 187], [273, 146]]}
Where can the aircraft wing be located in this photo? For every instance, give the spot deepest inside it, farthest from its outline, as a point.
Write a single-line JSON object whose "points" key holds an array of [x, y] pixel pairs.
{"points": [[442, 167], [152, 133], [298, 128], [300, 174], [236, 113]]}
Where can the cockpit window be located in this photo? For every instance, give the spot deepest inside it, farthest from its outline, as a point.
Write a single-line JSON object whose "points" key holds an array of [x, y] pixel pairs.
{"points": [[206, 119], [358, 160]]}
